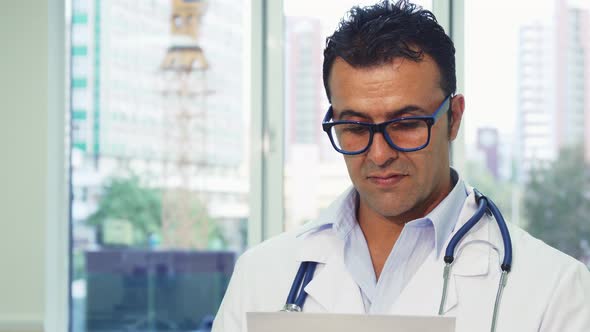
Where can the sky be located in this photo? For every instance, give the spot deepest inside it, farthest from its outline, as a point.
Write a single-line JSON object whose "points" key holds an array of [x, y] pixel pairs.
{"points": [[491, 54], [328, 11]]}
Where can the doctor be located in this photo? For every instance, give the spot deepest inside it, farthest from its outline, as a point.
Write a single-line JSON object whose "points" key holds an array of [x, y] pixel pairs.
{"points": [[380, 245]]}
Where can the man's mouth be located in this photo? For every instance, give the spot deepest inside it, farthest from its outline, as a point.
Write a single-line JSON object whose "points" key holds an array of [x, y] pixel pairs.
{"points": [[386, 179]]}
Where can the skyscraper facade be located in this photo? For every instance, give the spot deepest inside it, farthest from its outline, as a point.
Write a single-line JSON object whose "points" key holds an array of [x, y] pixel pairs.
{"points": [[304, 89], [125, 111], [553, 96]]}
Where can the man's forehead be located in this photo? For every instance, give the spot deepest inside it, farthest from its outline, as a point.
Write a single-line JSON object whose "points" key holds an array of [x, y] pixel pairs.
{"points": [[410, 71], [400, 74], [395, 62]]}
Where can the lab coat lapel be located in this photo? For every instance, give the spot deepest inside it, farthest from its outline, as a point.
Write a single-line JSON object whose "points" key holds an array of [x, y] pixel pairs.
{"points": [[423, 293], [332, 289], [472, 255]]}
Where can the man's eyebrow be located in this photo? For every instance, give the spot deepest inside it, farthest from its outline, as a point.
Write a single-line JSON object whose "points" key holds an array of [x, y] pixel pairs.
{"points": [[351, 113], [410, 109]]}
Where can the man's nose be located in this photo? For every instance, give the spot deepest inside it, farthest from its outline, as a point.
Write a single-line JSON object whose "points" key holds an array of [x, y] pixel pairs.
{"points": [[380, 153]]}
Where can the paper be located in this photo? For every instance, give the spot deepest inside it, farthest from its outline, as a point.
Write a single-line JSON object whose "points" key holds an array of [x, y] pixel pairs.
{"points": [[313, 322]]}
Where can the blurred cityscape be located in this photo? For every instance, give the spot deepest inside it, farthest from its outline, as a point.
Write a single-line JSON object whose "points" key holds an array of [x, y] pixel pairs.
{"points": [[551, 137], [136, 109], [160, 139], [159, 160]]}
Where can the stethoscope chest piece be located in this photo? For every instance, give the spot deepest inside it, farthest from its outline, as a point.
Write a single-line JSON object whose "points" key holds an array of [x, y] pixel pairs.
{"points": [[290, 307]]}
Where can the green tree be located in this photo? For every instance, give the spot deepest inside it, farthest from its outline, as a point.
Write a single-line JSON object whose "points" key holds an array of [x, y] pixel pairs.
{"points": [[557, 203], [126, 199], [499, 191]]}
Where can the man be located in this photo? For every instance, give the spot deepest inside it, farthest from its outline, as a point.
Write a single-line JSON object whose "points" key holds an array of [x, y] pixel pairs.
{"points": [[389, 74]]}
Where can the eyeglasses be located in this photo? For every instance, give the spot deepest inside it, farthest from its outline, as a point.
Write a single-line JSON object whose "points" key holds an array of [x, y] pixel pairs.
{"points": [[406, 134]]}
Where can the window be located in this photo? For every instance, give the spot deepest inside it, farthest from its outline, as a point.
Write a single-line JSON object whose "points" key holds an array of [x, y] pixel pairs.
{"points": [[524, 78], [160, 201]]}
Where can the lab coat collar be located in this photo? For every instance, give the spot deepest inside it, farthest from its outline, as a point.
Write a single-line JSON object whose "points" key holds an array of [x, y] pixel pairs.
{"points": [[482, 240], [337, 210], [334, 289], [473, 257], [445, 215]]}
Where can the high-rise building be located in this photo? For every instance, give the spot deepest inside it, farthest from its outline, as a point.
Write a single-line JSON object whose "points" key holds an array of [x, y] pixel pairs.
{"points": [[314, 172], [304, 89], [571, 65], [122, 119], [553, 95], [487, 144], [537, 138], [116, 49]]}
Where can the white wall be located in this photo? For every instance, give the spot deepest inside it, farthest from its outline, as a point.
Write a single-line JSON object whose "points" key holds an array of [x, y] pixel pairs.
{"points": [[31, 160]]}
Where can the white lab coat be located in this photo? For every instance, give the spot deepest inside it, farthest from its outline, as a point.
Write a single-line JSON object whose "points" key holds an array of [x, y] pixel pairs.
{"points": [[546, 290]]}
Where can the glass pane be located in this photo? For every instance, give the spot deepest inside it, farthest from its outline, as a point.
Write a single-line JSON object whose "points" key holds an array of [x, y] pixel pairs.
{"points": [[159, 160], [527, 102], [315, 173]]}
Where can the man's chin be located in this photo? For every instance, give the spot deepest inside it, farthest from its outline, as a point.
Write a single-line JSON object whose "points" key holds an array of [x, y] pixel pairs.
{"points": [[389, 211]]}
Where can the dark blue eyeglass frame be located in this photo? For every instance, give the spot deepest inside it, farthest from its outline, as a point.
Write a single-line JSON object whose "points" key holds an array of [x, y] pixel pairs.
{"points": [[380, 128]]}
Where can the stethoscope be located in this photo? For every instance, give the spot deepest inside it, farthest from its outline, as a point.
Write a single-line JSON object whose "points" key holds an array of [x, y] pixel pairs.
{"points": [[297, 294]]}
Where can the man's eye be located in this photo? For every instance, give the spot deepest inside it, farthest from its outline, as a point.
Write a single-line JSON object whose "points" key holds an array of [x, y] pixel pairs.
{"points": [[407, 125], [355, 129]]}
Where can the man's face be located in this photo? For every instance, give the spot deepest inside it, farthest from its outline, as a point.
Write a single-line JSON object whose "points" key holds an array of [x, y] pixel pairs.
{"points": [[400, 186]]}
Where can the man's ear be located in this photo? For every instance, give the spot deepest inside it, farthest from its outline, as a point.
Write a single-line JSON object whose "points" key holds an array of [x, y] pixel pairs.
{"points": [[457, 108]]}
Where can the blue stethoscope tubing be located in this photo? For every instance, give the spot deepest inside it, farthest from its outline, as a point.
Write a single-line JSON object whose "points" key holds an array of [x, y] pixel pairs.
{"points": [[304, 274], [484, 205], [297, 294]]}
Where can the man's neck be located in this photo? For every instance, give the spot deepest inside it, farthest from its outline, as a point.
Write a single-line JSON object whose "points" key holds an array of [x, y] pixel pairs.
{"points": [[381, 232]]}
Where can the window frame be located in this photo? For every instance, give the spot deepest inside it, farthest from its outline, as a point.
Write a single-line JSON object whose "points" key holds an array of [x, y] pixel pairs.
{"points": [[268, 81], [57, 229], [265, 47]]}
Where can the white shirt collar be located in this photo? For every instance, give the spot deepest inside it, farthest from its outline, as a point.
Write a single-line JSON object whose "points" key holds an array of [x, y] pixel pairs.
{"points": [[340, 216]]}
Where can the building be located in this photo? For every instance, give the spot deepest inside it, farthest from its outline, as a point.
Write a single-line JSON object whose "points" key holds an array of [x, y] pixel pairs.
{"points": [[304, 95], [487, 143], [124, 117], [314, 173], [553, 96]]}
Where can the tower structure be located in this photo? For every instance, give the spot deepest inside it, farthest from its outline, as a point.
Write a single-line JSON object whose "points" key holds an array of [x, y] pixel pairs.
{"points": [[184, 87]]}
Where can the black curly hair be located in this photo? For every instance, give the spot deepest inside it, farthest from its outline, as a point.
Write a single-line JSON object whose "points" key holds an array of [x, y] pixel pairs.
{"points": [[374, 35]]}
